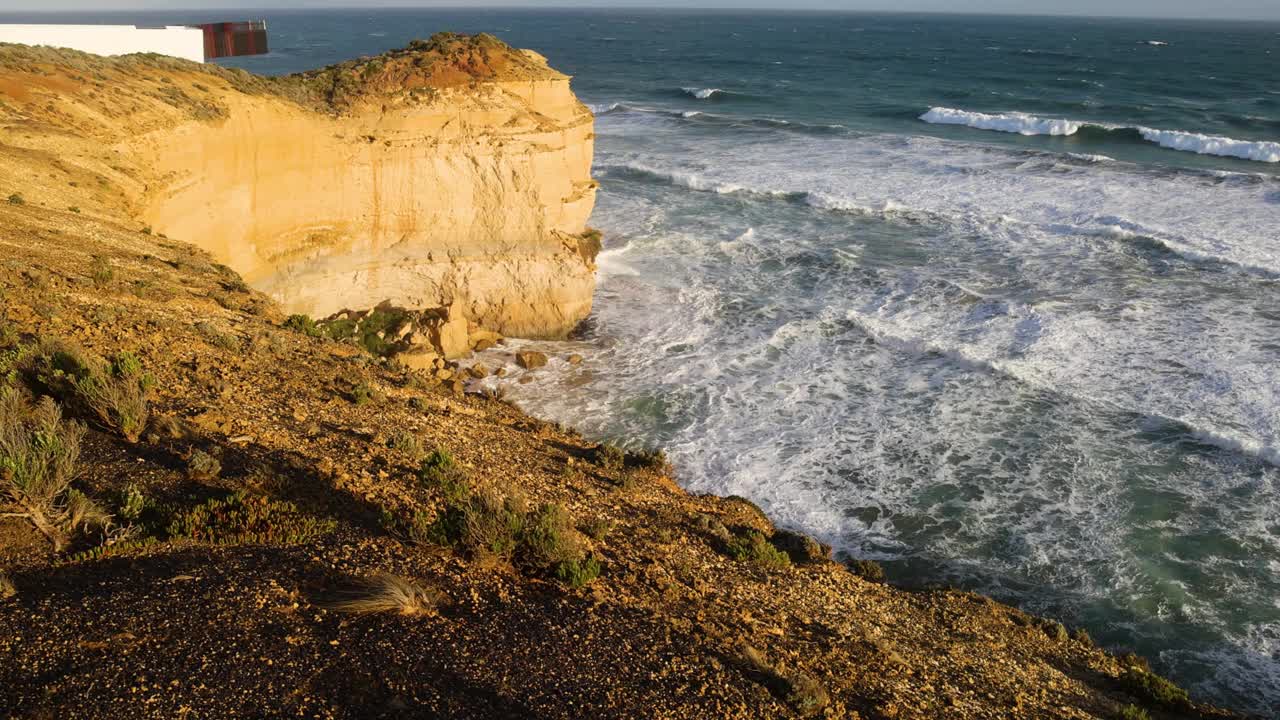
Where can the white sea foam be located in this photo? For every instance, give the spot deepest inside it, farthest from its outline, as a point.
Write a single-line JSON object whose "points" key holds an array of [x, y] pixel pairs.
{"points": [[703, 93], [1092, 157], [1157, 42], [995, 357], [1026, 124]]}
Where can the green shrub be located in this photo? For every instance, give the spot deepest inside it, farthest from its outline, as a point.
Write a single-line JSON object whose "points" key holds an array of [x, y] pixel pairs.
{"points": [[598, 529], [610, 457], [303, 324], [806, 694], [39, 454], [74, 209], [578, 572], [1132, 712], [1158, 690], [492, 524], [440, 472], [374, 328], [133, 503], [243, 518], [653, 459], [340, 329], [487, 523], [1056, 631], [203, 467], [101, 271], [407, 443], [868, 570], [548, 538], [114, 395], [1083, 637], [1134, 660], [752, 546], [17, 199], [363, 393], [8, 339]]}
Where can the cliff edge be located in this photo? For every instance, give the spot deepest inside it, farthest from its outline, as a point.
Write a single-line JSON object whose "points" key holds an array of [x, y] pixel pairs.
{"points": [[454, 172]]}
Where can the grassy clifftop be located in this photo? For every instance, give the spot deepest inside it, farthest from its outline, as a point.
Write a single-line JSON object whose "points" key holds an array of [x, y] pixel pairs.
{"points": [[445, 60]]}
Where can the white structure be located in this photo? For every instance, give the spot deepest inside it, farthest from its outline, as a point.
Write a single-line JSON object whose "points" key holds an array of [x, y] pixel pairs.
{"points": [[177, 40]]}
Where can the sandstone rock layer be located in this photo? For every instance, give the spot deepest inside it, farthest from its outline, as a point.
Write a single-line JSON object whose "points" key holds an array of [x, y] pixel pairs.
{"points": [[455, 172]]}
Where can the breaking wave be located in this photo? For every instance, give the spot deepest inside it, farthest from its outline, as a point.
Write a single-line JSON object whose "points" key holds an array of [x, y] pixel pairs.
{"points": [[1020, 123], [1026, 124], [703, 93]]}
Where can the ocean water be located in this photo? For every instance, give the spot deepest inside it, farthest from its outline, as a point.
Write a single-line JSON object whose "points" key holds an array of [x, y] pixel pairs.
{"points": [[993, 301]]}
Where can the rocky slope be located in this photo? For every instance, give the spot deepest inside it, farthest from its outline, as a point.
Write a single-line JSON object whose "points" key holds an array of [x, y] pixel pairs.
{"points": [[452, 173], [249, 514]]}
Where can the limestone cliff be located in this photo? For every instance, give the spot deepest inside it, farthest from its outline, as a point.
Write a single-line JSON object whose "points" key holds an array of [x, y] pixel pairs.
{"points": [[455, 172]]}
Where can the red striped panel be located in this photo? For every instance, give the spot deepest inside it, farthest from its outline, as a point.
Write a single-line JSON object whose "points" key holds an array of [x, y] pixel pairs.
{"points": [[234, 39]]}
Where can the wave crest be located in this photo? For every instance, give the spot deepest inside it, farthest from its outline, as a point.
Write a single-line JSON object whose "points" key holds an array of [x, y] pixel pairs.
{"points": [[1020, 123], [1026, 124], [703, 93]]}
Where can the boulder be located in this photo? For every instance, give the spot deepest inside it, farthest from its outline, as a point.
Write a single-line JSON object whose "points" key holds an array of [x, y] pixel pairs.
{"points": [[419, 358], [575, 359], [483, 339], [446, 329], [530, 359]]}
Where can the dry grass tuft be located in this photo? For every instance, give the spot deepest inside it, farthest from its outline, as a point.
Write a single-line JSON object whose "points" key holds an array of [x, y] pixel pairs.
{"points": [[388, 593], [7, 588], [798, 689]]}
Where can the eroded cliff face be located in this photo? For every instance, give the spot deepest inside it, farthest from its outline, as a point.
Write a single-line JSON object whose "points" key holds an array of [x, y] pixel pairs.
{"points": [[455, 173]]}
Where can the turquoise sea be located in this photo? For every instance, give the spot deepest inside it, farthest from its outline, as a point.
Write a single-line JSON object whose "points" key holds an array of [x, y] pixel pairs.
{"points": [[995, 301]]}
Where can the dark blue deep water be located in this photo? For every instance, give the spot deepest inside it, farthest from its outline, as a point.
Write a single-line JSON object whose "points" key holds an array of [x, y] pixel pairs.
{"points": [[995, 301]]}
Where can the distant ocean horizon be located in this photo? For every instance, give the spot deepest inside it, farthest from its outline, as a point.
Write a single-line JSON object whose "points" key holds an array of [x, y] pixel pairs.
{"points": [[992, 300]]}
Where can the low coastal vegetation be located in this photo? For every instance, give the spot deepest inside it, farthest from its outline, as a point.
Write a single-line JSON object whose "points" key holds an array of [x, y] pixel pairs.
{"points": [[1154, 689], [39, 456], [489, 524], [113, 394]]}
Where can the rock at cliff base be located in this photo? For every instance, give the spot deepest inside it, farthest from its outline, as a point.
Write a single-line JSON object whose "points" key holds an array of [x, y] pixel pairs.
{"points": [[419, 358], [530, 359], [575, 359], [483, 339], [478, 371], [448, 332]]}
